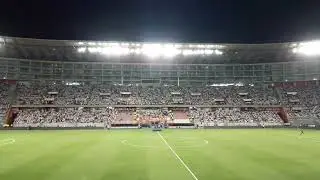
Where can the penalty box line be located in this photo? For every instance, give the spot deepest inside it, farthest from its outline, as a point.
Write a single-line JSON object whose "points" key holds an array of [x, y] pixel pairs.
{"points": [[177, 156]]}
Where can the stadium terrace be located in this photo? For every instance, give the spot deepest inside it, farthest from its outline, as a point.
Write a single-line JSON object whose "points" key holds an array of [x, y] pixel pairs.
{"points": [[51, 83]]}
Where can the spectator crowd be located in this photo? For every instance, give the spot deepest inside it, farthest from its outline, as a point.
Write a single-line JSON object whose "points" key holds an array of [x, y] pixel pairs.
{"points": [[305, 98], [65, 117], [41, 93], [233, 117], [4, 89]]}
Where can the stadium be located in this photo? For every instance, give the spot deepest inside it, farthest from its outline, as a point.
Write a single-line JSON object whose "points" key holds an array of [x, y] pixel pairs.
{"points": [[145, 110]]}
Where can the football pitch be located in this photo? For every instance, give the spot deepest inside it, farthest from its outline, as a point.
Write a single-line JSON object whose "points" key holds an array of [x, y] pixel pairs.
{"points": [[263, 154]]}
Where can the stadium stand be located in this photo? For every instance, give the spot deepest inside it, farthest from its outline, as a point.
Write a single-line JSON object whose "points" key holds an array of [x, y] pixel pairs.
{"points": [[38, 93], [65, 117], [234, 117], [84, 84]]}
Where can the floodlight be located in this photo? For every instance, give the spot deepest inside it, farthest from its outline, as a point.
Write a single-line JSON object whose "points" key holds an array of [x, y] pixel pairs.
{"points": [[294, 50], [124, 44], [187, 52], [208, 52], [92, 50], [170, 52], [198, 52], [80, 43], [136, 44], [218, 52], [151, 50], [308, 48], [137, 51], [112, 44], [168, 46], [177, 45], [92, 43], [81, 50]]}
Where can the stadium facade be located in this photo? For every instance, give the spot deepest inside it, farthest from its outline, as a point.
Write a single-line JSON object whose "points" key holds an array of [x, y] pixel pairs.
{"points": [[179, 64]]}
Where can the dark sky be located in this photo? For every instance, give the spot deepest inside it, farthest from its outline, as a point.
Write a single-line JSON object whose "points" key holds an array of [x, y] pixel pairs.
{"points": [[238, 21]]}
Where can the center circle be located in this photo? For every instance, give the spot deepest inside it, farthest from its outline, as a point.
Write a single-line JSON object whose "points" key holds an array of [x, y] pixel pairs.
{"points": [[126, 142], [180, 142], [189, 142]]}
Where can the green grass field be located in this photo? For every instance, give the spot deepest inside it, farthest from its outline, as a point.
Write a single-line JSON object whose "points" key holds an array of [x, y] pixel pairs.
{"points": [[263, 154]]}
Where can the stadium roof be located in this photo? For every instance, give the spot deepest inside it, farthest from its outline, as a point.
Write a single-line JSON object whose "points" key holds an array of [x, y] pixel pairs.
{"points": [[70, 50]]}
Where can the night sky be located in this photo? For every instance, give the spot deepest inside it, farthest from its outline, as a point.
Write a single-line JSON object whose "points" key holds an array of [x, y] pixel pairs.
{"points": [[238, 21]]}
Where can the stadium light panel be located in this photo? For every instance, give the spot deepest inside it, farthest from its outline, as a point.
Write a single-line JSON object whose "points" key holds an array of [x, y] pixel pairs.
{"points": [[92, 50], [136, 44], [294, 50], [125, 44], [177, 45], [208, 52], [114, 44], [308, 48], [170, 52], [81, 50], [168, 46], [137, 51], [115, 51], [152, 53], [187, 52], [209, 46], [104, 44], [80, 43], [92, 43], [218, 52]]}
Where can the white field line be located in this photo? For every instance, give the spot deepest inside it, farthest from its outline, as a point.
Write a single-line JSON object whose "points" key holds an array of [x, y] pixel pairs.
{"points": [[177, 156], [7, 141]]}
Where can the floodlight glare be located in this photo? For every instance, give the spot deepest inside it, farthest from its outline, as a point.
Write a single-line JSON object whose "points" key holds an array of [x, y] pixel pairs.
{"points": [[218, 52], [187, 52], [308, 48], [137, 51], [124, 44], [92, 50], [151, 50], [208, 52], [170, 52], [81, 50], [294, 50], [92, 43], [168, 46], [177, 45]]}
